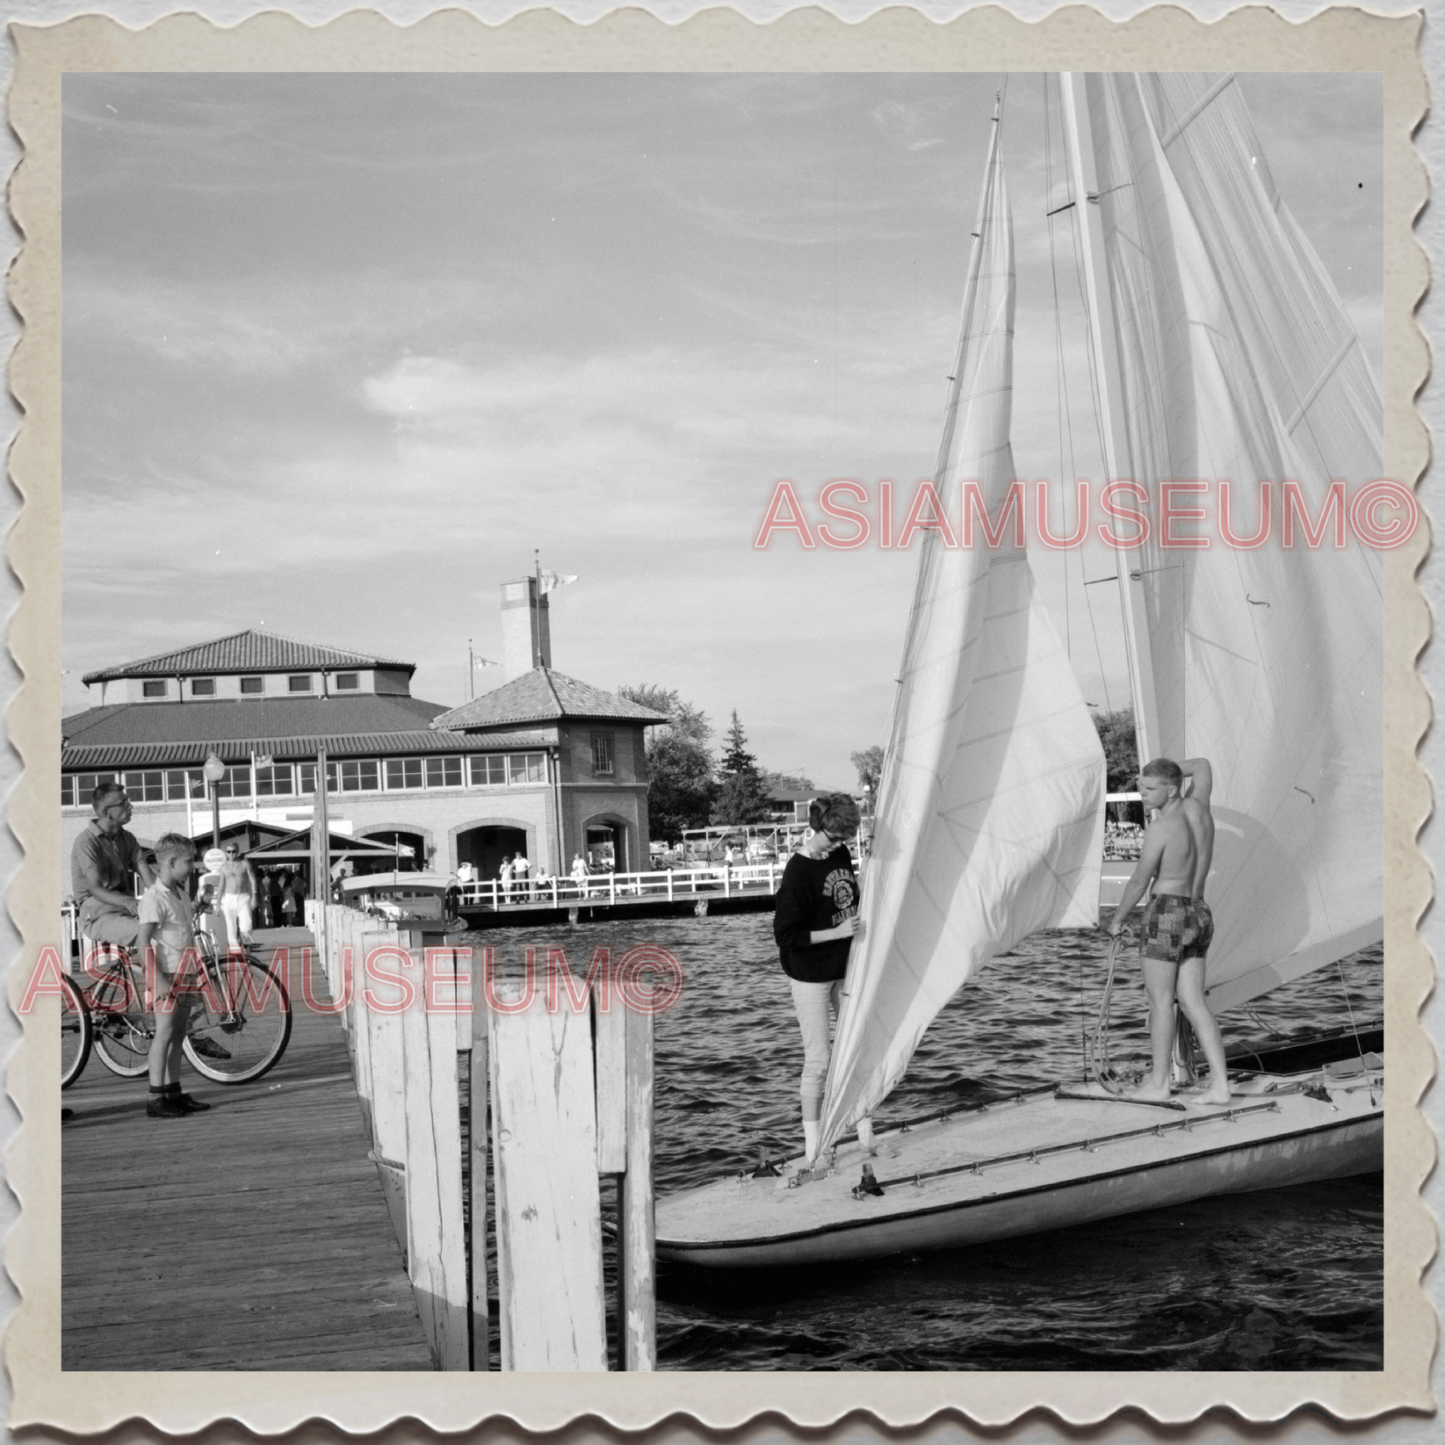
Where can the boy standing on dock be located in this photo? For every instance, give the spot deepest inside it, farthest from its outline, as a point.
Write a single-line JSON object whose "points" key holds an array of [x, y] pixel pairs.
{"points": [[167, 933], [1178, 926]]}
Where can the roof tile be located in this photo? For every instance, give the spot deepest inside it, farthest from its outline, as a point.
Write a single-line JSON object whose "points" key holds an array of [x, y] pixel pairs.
{"points": [[540, 696], [249, 651]]}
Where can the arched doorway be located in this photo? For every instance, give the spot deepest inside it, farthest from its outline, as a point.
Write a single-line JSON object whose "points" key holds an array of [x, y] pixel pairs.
{"points": [[606, 848], [485, 847]]}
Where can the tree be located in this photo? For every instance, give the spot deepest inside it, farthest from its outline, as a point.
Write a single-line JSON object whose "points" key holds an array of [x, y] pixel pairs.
{"points": [[1121, 751], [680, 781], [870, 767], [741, 796], [775, 784]]}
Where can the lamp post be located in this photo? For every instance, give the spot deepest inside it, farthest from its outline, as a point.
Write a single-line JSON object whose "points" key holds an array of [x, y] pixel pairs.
{"points": [[213, 770]]}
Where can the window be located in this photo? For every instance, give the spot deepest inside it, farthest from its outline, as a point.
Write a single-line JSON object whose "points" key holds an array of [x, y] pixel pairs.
{"points": [[526, 768], [275, 781], [236, 783], [179, 781], [360, 775], [444, 772], [253, 684], [487, 772], [299, 682], [153, 689], [348, 681], [87, 783], [601, 752], [203, 687], [307, 773], [146, 787], [403, 773], [67, 791]]}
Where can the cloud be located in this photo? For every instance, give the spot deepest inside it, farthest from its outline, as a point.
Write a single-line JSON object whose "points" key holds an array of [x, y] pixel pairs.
{"points": [[913, 125]]}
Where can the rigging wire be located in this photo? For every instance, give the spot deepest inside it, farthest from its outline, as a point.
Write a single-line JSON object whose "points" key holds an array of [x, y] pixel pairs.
{"points": [[1066, 420], [1097, 407]]}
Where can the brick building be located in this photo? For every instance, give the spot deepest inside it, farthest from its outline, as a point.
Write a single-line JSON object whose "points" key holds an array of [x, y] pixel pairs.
{"points": [[544, 763]]}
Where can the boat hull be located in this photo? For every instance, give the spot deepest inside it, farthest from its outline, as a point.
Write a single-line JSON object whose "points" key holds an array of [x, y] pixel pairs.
{"points": [[1102, 1175]]}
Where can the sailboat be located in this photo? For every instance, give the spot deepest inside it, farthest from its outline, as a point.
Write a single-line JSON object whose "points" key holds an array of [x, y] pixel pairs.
{"points": [[1221, 351]]}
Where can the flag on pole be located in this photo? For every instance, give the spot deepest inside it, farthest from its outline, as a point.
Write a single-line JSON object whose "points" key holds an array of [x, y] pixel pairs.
{"points": [[484, 662], [549, 581]]}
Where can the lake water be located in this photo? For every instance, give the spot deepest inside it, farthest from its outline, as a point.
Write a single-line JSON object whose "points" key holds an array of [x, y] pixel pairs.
{"points": [[1288, 1279]]}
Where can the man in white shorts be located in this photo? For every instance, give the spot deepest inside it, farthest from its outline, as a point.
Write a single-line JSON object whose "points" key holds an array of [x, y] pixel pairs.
{"points": [[238, 891]]}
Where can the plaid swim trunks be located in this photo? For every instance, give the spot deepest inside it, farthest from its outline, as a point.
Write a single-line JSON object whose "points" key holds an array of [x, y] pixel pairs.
{"points": [[1176, 928]]}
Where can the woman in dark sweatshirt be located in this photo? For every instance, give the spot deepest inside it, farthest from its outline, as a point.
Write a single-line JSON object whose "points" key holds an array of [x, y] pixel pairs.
{"points": [[815, 921]]}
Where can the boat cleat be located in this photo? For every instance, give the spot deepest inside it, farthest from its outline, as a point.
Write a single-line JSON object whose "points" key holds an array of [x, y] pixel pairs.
{"points": [[868, 1184]]}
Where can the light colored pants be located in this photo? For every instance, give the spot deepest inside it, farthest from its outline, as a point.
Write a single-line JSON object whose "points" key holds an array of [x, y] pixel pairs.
{"points": [[816, 1005], [237, 908]]}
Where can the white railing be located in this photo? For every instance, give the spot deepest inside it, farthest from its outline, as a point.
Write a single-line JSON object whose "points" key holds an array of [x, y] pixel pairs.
{"points": [[669, 883]]}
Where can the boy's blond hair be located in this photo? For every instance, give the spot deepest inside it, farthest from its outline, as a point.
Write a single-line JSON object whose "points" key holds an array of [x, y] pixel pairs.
{"points": [[170, 844]]}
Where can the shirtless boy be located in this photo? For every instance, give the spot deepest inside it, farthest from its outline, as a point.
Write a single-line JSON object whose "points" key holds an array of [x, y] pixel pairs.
{"points": [[1178, 850]]}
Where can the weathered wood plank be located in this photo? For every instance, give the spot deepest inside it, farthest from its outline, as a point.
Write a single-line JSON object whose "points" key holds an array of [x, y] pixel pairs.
{"points": [[636, 1232], [278, 1253], [480, 1128], [385, 1051], [610, 1034], [549, 1222], [436, 1246]]}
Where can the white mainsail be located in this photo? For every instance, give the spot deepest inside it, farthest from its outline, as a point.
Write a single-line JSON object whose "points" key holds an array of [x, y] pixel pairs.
{"points": [[990, 820], [1236, 361]]}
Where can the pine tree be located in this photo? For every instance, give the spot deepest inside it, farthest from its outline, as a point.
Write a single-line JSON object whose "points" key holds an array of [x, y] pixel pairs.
{"points": [[741, 798]]}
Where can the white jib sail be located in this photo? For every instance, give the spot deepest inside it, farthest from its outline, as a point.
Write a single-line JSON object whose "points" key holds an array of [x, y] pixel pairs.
{"points": [[990, 817], [1238, 362]]}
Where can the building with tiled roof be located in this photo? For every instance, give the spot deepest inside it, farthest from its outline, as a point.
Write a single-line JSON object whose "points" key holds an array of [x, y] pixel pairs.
{"points": [[544, 764], [542, 695], [250, 652]]}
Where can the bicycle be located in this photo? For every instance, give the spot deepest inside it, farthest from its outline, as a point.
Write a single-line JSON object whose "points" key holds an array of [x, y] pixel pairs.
{"points": [[238, 1032], [76, 1033]]}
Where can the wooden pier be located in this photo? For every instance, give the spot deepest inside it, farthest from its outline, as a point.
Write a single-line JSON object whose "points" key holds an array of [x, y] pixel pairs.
{"points": [[558, 1080], [252, 1237], [665, 893]]}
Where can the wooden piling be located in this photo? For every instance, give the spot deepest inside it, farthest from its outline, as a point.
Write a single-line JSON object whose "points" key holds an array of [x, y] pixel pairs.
{"points": [[637, 1270], [610, 1041], [436, 1249], [481, 1335], [548, 1207]]}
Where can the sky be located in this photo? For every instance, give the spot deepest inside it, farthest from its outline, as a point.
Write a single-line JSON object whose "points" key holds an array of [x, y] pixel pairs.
{"points": [[344, 353]]}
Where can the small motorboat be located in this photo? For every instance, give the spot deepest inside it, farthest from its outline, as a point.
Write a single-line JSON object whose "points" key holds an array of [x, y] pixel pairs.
{"points": [[405, 898]]}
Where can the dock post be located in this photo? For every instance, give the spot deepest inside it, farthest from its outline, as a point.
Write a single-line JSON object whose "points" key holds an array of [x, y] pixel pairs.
{"points": [[636, 1270], [480, 1323]]}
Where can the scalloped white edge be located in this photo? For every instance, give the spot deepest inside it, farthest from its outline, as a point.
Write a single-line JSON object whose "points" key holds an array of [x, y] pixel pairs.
{"points": [[989, 38]]}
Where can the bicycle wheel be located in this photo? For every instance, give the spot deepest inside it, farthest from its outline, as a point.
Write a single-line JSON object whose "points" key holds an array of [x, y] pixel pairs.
{"points": [[74, 1033], [240, 1046], [120, 1027]]}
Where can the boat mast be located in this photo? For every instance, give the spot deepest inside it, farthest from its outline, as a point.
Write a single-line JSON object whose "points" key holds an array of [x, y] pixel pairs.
{"points": [[1083, 173]]}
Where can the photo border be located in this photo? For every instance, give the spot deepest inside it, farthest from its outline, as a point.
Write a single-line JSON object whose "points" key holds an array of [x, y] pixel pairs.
{"points": [[631, 40]]}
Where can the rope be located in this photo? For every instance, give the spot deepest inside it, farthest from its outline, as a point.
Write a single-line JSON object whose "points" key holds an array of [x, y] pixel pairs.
{"points": [[1096, 1043], [1349, 1008]]}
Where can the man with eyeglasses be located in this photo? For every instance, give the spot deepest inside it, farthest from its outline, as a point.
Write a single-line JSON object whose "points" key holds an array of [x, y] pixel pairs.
{"points": [[238, 890], [103, 866]]}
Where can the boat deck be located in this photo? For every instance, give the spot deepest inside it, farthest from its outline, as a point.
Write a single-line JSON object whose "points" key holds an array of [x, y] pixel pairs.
{"points": [[1041, 1161]]}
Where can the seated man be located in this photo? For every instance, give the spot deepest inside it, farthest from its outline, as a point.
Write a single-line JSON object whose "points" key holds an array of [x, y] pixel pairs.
{"points": [[103, 866]]}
